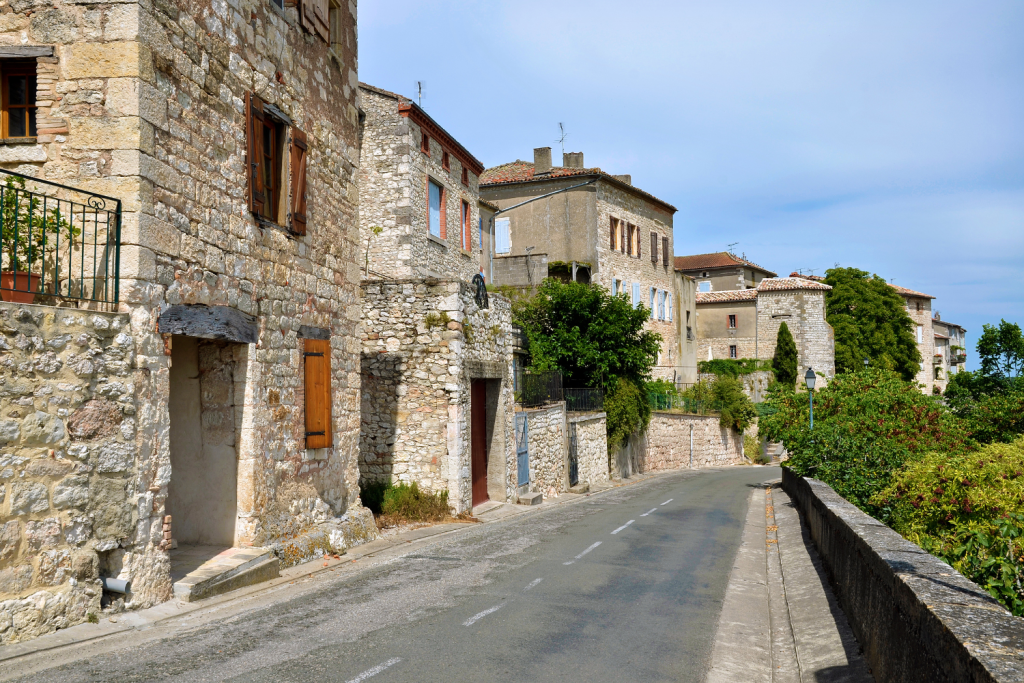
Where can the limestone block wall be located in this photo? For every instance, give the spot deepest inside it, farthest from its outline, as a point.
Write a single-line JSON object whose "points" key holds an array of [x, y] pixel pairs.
{"points": [[423, 342], [69, 478], [804, 314], [920, 311], [591, 446], [746, 347], [548, 445], [668, 443]]}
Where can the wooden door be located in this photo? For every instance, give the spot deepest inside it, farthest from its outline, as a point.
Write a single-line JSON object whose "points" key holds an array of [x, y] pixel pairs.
{"points": [[478, 437]]}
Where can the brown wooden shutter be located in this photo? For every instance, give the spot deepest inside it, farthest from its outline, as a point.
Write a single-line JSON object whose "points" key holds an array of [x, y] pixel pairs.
{"points": [[321, 19], [629, 239], [317, 357], [611, 233], [664, 250], [254, 149], [307, 8], [298, 164], [654, 248], [639, 244]]}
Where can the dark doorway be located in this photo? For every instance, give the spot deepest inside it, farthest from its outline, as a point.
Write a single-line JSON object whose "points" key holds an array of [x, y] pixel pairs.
{"points": [[478, 440]]}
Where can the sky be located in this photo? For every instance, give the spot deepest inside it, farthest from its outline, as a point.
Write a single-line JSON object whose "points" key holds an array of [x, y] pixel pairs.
{"points": [[887, 136]]}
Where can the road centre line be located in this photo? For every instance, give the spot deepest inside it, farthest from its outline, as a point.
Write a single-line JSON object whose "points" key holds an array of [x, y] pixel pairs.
{"points": [[532, 584], [477, 617], [375, 670], [623, 526], [649, 512], [583, 553], [668, 501]]}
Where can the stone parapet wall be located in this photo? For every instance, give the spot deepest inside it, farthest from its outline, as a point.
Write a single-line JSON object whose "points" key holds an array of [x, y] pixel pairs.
{"points": [[548, 443], [668, 443], [917, 619], [68, 472], [591, 446]]}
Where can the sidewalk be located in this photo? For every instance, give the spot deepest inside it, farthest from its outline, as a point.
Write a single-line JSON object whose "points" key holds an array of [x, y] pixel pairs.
{"points": [[780, 622], [382, 550]]}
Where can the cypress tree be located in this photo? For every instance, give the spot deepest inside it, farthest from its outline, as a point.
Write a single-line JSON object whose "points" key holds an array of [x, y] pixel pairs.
{"points": [[784, 362]]}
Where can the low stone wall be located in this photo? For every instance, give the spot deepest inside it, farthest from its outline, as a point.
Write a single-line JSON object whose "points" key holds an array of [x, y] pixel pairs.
{"points": [[548, 448], [591, 446], [669, 445], [916, 617], [67, 463]]}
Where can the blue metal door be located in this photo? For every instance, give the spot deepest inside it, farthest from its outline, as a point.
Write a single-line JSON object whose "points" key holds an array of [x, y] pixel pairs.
{"points": [[522, 449]]}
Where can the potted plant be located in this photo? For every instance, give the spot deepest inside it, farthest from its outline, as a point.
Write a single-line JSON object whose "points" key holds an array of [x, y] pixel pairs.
{"points": [[28, 240]]}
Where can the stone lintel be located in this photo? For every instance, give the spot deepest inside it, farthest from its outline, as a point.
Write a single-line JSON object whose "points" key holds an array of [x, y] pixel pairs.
{"points": [[209, 322], [307, 332], [485, 369], [25, 51]]}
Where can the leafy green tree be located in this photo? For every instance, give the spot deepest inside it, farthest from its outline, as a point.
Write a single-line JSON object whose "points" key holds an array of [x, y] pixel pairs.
{"points": [[737, 411], [870, 321], [785, 361], [1001, 350], [627, 410]]}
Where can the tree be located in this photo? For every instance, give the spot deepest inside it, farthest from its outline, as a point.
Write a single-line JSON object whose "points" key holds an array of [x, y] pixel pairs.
{"points": [[998, 384], [870, 321], [784, 362], [1001, 350]]}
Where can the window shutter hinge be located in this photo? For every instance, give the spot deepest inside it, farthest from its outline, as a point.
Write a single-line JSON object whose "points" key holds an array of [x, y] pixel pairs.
{"points": [[313, 353], [316, 433]]}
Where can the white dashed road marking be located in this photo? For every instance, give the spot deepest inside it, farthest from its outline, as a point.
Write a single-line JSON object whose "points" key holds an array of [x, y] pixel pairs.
{"points": [[649, 512], [532, 584], [375, 670], [668, 501], [623, 526], [583, 553], [477, 617]]}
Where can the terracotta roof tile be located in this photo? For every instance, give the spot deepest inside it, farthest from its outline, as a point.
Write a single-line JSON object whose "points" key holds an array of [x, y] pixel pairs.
{"points": [[726, 295], [719, 259], [777, 284], [816, 278], [910, 292]]}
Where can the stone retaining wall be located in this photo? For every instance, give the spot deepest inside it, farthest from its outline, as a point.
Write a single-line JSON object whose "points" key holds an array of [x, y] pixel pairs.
{"points": [[668, 443], [916, 617], [548, 442], [591, 446]]}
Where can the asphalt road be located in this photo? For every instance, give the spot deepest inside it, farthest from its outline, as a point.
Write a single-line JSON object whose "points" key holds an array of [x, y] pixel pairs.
{"points": [[624, 586]]}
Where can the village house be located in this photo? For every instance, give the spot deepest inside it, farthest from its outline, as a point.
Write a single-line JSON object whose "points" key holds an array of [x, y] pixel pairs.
{"points": [[436, 370], [950, 351], [721, 270], [594, 227], [180, 383], [919, 308]]}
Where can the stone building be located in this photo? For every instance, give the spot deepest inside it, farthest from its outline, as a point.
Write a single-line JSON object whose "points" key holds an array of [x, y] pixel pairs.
{"points": [[686, 329], [436, 370], [721, 271], [950, 351], [215, 402], [598, 228], [919, 308], [744, 323]]}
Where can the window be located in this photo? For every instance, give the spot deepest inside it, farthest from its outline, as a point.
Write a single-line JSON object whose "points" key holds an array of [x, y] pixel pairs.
{"points": [[502, 236], [668, 308], [704, 287], [266, 137], [467, 233], [732, 352], [732, 322], [19, 99], [661, 305], [446, 162], [920, 334], [425, 144], [638, 253], [652, 302], [316, 358], [654, 248], [636, 295], [919, 305], [664, 251], [629, 239], [435, 211], [465, 177]]}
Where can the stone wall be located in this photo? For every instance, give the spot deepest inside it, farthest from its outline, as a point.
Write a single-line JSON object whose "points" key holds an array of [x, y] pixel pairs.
{"points": [[668, 443], [591, 446], [68, 476], [548, 443], [422, 345], [520, 271], [804, 314], [923, 318]]}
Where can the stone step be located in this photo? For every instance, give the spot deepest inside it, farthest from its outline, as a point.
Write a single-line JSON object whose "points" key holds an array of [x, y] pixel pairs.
{"points": [[232, 569], [531, 499], [580, 488]]}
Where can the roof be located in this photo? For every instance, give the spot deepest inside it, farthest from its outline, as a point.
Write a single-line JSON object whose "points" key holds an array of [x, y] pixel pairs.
{"points": [[940, 336], [726, 296], [519, 171], [939, 321], [407, 107], [816, 278], [719, 259], [489, 205], [778, 284], [903, 291]]}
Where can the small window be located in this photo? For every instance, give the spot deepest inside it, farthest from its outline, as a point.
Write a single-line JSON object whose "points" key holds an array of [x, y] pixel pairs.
{"points": [[465, 176], [732, 322], [266, 137], [425, 144], [920, 334], [704, 287], [446, 162], [502, 236], [315, 17], [732, 352], [436, 212], [687, 317], [467, 233], [19, 99]]}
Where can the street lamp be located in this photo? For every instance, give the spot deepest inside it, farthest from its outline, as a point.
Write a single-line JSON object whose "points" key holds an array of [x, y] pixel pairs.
{"points": [[867, 362], [809, 380]]}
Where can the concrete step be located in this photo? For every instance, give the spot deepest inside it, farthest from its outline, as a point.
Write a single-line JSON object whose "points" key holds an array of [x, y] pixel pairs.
{"points": [[231, 569], [531, 499], [580, 488]]}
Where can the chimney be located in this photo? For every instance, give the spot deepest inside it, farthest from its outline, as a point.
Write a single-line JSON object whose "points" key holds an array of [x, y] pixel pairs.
{"points": [[628, 179], [542, 160], [572, 159]]}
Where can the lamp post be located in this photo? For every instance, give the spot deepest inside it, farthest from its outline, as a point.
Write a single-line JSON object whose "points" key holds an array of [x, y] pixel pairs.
{"points": [[867, 362], [809, 380]]}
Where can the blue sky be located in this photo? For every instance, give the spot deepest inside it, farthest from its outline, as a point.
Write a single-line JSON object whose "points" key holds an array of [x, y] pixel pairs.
{"points": [[885, 136]]}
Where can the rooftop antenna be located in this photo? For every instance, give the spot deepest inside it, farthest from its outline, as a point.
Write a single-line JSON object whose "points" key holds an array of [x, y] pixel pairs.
{"points": [[730, 247], [561, 140], [419, 93]]}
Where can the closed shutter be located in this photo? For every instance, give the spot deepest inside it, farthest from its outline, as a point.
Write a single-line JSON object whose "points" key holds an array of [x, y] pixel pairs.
{"points": [[502, 236], [664, 250], [254, 150], [317, 357], [629, 239], [298, 164], [321, 19], [611, 233], [639, 250], [654, 247]]}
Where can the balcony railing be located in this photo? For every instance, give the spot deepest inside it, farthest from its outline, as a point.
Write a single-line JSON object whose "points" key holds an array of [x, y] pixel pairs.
{"points": [[57, 242]]}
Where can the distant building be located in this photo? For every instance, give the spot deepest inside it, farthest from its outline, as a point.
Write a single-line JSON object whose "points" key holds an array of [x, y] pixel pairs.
{"points": [[594, 227], [919, 308], [950, 351], [721, 271], [686, 329]]}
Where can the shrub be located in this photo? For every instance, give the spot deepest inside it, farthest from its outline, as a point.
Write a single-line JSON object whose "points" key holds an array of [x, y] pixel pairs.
{"points": [[784, 363], [406, 502], [737, 411], [627, 410], [752, 450], [732, 367], [371, 494], [998, 418]]}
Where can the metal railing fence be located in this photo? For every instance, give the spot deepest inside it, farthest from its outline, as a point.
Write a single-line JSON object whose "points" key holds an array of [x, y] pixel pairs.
{"points": [[57, 241], [583, 400], [538, 389]]}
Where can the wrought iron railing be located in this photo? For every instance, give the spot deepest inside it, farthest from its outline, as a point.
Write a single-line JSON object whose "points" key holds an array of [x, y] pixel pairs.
{"points": [[583, 400], [57, 242], [674, 402], [538, 389]]}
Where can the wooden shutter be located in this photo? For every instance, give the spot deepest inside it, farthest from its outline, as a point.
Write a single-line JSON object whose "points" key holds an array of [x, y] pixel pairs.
{"points": [[254, 149], [322, 19], [654, 248], [629, 239], [639, 242], [611, 233], [317, 360], [298, 164], [664, 250]]}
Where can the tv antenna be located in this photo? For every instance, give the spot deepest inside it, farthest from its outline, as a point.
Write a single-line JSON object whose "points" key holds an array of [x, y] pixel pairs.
{"points": [[419, 93], [730, 246], [561, 140]]}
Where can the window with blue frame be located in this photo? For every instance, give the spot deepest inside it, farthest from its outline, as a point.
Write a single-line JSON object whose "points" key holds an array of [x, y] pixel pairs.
{"points": [[435, 194]]}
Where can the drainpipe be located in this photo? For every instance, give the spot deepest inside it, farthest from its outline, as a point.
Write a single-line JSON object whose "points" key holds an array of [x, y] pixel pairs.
{"points": [[122, 586]]}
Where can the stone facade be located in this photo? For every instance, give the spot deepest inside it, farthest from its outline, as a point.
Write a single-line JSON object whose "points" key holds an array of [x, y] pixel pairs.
{"points": [[423, 345], [721, 271], [686, 330], [393, 179], [146, 103], [548, 444], [677, 441], [919, 308], [950, 351], [591, 446]]}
